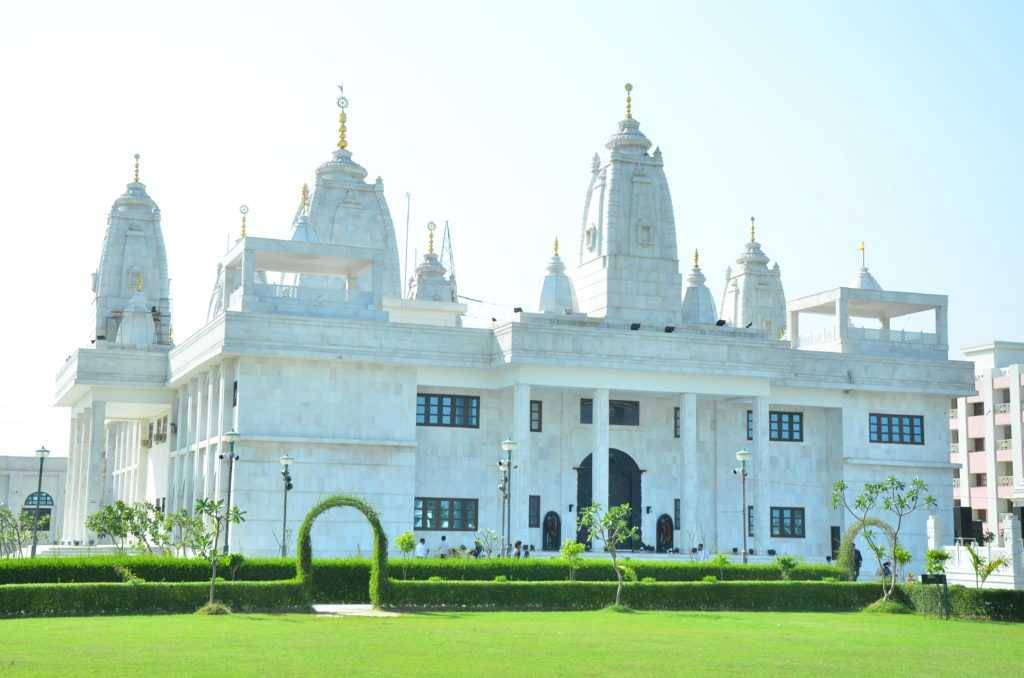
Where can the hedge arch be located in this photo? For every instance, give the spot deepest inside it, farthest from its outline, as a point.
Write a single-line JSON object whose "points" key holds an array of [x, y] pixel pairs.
{"points": [[379, 563], [846, 545]]}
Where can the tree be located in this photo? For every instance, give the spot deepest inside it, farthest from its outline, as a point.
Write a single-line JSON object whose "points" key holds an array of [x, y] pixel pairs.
{"points": [[15, 533], [489, 540], [147, 526], [572, 553], [113, 521], [611, 528], [721, 561], [899, 499], [203, 533], [786, 565], [935, 561], [983, 568], [406, 543]]}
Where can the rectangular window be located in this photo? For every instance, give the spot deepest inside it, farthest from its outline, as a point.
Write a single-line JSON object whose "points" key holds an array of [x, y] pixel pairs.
{"points": [[620, 412], [534, 510], [786, 426], [676, 431], [536, 416], [447, 410], [234, 393], [445, 514], [901, 429], [750, 424], [750, 520], [678, 513], [788, 521]]}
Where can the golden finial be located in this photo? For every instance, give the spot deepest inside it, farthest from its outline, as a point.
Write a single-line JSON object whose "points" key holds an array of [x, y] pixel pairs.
{"points": [[136, 177], [430, 237], [862, 255], [696, 258], [629, 101], [556, 246], [139, 282], [342, 119], [243, 210], [305, 199], [751, 229]]}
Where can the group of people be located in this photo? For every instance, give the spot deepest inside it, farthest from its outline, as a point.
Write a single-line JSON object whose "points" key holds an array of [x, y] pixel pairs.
{"points": [[444, 550]]}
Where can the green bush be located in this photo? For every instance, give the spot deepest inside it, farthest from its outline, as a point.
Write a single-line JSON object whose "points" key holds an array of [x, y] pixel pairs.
{"points": [[97, 569], [501, 579], [709, 579], [993, 604], [777, 596], [59, 600]]}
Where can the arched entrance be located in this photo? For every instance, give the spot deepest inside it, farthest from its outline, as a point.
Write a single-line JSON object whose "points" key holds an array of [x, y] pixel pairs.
{"points": [[552, 532], [664, 533], [623, 488], [379, 563]]}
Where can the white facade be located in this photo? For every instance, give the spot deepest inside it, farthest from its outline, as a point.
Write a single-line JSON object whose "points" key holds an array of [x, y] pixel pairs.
{"points": [[335, 370], [19, 481]]}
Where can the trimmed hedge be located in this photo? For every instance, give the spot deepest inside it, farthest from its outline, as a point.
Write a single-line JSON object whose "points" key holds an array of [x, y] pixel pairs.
{"points": [[96, 569], [53, 600], [553, 569], [991, 604], [766, 596]]}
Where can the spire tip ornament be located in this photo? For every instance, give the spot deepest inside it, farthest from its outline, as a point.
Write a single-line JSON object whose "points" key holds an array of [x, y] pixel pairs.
{"points": [[696, 258], [430, 236], [556, 246], [135, 177], [342, 119], [752, 229], [304, 207], [629, 101], [243, 210], [863, 255]]}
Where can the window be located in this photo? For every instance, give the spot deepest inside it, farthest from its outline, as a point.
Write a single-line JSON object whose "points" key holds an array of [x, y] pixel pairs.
{"points": [[750, 424], [787, 426], [41, 504], [901, 429], [676, 433], [234, 393], [447, 410], [787, 521], [620, 412], [536, 415], [750, 520], [445, 514], [534, 510], [678, 512]]}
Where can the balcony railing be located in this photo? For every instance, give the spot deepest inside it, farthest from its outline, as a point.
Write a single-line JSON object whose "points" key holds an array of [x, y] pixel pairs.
{"points": [[1003, 408], [1005, 481], [1004, 444], [954, 448], [956, 482], [953, 413]]}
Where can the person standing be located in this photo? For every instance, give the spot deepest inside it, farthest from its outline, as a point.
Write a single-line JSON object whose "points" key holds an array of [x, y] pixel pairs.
{"points": [[517, 552], [443, 549], [858, 560]]}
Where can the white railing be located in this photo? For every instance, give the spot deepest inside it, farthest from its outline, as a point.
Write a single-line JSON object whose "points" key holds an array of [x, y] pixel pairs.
{"points": [[954, 413], [1005, 481], [822, 337], [1003, 408], [893, 336], [956, 482], [1004, 444], [954, 448]]}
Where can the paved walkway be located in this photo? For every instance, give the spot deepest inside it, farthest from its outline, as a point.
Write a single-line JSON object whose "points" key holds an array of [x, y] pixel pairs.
{"points": [[352, 611]]}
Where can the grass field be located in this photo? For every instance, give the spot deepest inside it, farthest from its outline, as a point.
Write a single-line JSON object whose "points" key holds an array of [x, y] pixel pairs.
{"points": [[513, 644]]}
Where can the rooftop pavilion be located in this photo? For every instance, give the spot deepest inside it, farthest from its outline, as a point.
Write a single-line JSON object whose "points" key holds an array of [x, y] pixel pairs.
{"points": [[843, 304]]}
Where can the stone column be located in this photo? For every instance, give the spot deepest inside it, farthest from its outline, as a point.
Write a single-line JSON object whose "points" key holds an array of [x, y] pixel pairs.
{"points": [[986, 390], [67, 524], [794, 329], [212, 432], [599, 453], [522, 484], [221, 465], [81, 463], [842, 317], [691, 506], [97, 415], [758, 485], [111, 462]]}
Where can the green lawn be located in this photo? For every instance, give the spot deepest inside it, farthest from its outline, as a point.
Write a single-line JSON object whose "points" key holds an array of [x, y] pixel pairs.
{"points": [[513, 643]]}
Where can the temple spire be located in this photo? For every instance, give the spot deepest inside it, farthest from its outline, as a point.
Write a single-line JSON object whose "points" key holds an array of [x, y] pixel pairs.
{"points": [[342, 119], [629, 101]]}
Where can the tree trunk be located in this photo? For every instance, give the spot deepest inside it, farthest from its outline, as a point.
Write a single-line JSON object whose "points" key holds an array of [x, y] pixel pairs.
{"points": [[213, 577], [618, 575]]}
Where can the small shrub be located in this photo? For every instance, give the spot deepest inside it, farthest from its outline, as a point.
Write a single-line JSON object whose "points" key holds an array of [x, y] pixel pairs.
{"points": [[435, 579], [500, 578], [648, 580], [127, 575], [214, 608], [786, 565], [628, 573], [620, 609], [883, 606], [710, 579]]}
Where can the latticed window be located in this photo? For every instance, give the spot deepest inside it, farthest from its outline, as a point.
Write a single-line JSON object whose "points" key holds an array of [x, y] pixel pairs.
{"points": [[447, 410], [788, 521], [901, 429], [536, 416], [786, 426], [433, 513]]}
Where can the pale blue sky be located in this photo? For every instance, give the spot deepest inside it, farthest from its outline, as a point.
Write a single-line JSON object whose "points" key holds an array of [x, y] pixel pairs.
{"points": [[896, 123]]}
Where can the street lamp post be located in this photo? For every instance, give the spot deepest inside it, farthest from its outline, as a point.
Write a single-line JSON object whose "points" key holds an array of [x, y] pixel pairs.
{"points": [[230, 437], [743, 457], [286, 478], [42, 453], [507, 446]]}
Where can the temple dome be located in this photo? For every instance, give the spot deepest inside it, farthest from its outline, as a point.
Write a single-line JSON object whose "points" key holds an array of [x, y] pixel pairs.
{"points": [[865, 281], [557, 294], [698, 304]]}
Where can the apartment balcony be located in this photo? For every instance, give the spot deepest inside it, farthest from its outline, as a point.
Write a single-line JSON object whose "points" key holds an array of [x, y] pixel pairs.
{"points": [[1004, 489], [953, 413], [954, 448], [1004, 444], [1002, 408], [1005, 481], [956, 482]]}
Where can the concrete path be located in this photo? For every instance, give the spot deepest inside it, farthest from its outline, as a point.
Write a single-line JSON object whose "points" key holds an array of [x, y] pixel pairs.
{"points": [[352, 611]]}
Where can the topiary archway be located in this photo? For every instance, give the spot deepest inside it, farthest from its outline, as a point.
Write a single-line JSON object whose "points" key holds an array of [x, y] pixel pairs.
{"points": [[379, 563], [845, 561]]}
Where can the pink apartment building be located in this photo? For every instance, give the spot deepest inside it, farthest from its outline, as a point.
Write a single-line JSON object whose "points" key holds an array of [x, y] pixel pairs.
{"points": [[985, 440]]}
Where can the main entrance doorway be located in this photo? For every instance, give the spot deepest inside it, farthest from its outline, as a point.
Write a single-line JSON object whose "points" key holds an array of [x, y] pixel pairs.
{"points": [[665, 535], [623, 488], [552, 532]]}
